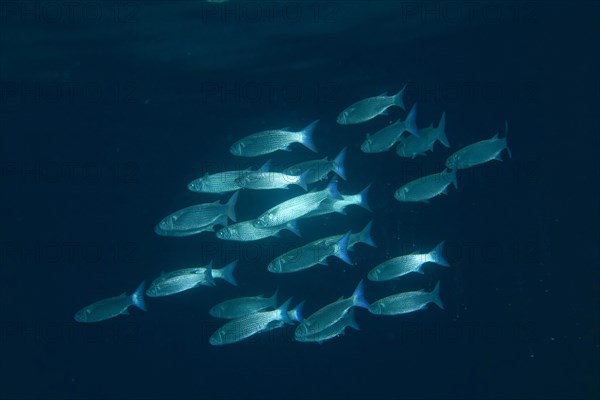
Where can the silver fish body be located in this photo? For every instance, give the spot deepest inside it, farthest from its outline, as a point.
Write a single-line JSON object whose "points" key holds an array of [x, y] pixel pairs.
{"points": [[197, 218], [264, 180], [402, 265], [385, 138], [267, 142], [247, 231], [479, 153], [111, 307], [221, 182], [330, 314], [407, 302], [311, 254], [296, 207], [249, 325], [369, 108], [332, 331], [412, 146], [188, 278], [426, 187], [241, 306], [333, 205]]}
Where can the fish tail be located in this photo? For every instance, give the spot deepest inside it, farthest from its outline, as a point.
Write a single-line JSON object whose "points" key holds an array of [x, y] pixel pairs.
{"points": [[307, 136], [302, 180], [365, 235], [274, 297], [441, 131], [292, 226], [435, 296], [137, 298], [231, 206], [358, 296], [436, 255], [505, 136], [342, 249], [453, 177], [398, 98], [227, 273], [208, 275], [332, 190], [283, 310], [338, 164], [363, 198], [410, 123], [296, 313]]}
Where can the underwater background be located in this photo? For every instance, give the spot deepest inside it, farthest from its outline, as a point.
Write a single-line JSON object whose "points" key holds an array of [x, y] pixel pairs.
{"points": [[109, 109]]}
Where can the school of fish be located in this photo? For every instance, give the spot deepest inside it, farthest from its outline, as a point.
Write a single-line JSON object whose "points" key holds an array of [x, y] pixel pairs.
{"points": [[251, 315]]}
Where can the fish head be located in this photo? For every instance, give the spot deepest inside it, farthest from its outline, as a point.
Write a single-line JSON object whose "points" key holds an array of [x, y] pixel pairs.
{"points": [[401, 149], [366, 146], [343, 117], [373, 275], [452, 161], [275, 266], [153, 290], [236, 149], [225, 233], [217, 338], [196, 186], [376, 308], [401, 193], [167, 223], [265, 220], [82, 315]]}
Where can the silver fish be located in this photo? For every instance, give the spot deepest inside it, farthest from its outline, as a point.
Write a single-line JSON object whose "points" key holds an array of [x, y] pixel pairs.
{"points": [[318, 170], [385, 138], [332, 331], [112, 307], [263, 179], [479, 153], [399, 266], [311, 254], [198, 218], [412, 146], [246, 231], [296, 207], [328, 206], [236, 308], [330, 314], [189, 278], [369, 108], [427, 187], [221, 182], [407, 302], [266, 142], [252, 324]]}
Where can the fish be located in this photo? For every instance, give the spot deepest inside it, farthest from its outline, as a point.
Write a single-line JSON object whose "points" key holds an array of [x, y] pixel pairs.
{"points": [[238, 307], [247, 231], [329, 315], [267, 142], [311, 254], [189, 278], [318, 170], [427, 187], [369, 108], [480, 152], [198, 218], [112, 307], [385, 138], [221, 182], [407, 302], [263, 179], [249, 325], [332, 331], [332, 205], [412, 146], [402, 265], [296, 207]]}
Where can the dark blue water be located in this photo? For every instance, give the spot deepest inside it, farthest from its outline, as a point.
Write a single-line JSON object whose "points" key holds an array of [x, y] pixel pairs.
{"points": [[109, 109]]}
